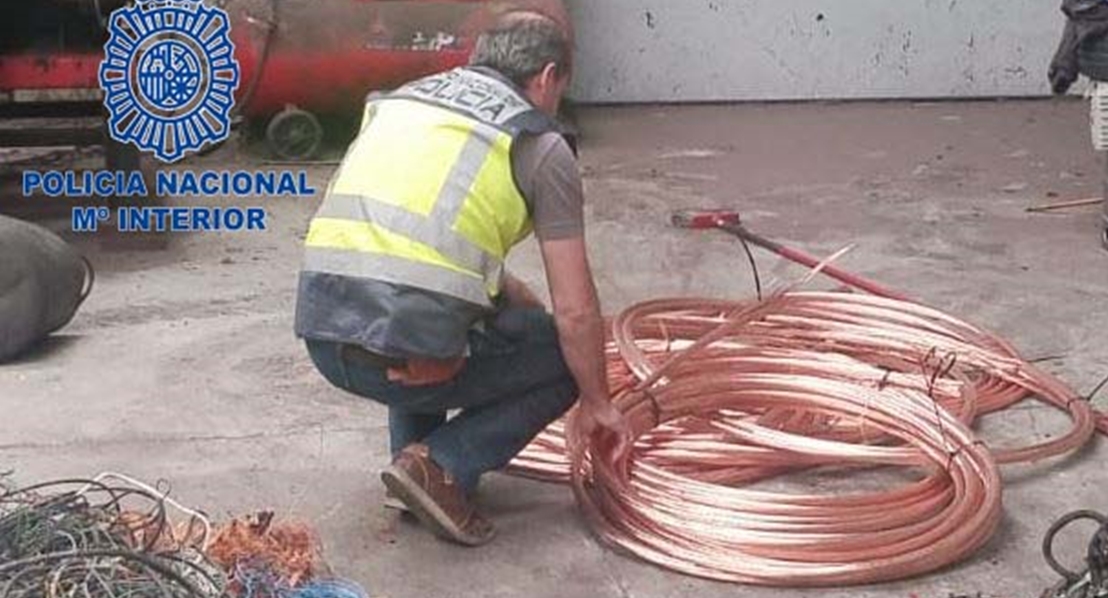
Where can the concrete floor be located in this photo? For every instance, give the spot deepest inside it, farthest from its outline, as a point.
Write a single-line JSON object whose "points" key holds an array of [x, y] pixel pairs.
{"points": [[182, 365]]}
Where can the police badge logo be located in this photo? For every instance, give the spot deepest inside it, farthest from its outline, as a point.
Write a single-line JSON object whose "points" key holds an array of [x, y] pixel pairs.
{"points": [[169, 75]]}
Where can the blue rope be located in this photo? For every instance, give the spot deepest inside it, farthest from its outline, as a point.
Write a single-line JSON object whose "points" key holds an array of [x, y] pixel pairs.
{"points": [[258, 580], [327, 588]]}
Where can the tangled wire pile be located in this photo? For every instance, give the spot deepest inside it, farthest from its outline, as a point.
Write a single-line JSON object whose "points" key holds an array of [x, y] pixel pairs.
{"points": [[100, 540], [722, 395], [267, 560], [112, 537]]}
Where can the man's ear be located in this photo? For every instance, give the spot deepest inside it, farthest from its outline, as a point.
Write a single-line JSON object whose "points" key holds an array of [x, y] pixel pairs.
{"points": [[549, 74]]}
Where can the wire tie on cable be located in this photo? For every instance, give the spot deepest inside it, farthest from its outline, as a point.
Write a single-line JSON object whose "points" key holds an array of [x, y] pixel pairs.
{"points": [[933, 367], [655, 406], [884, 382], [950, 361], [955, 453]]}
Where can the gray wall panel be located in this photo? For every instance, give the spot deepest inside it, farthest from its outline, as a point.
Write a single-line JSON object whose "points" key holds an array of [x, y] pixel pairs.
{"points": [[706, 50]]}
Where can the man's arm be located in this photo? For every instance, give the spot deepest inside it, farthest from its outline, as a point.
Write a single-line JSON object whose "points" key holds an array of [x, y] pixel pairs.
{"points": [[548, 175], [581, 333]]}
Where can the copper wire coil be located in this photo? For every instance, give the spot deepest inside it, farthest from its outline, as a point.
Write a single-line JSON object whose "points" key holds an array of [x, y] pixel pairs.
{"points": [[736, 534], [1001, 379], [722, 395]]}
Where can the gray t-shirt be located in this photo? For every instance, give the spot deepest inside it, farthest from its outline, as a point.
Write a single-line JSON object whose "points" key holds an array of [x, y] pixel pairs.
{"points": [[547, 175]]}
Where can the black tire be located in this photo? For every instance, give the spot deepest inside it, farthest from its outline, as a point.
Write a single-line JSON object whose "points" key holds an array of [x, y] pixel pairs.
{"points": [[294, 134]]}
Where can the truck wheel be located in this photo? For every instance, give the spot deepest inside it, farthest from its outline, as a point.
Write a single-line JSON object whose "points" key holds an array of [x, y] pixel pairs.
{"points": [[294, 134]]}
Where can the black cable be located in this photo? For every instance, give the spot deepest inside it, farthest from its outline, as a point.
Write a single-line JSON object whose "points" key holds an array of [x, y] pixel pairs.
{"points": [[145, 560], [1089, 397], [1056, 527], [99, 541], [41, 529], [753, 267]]}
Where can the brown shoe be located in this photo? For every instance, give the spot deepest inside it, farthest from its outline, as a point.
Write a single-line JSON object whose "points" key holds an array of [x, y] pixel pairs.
{"points": [[393, 503], [435, 498]]}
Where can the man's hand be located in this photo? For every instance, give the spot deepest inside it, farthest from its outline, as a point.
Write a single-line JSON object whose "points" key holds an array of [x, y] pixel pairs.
{"points": [[601, 423]]}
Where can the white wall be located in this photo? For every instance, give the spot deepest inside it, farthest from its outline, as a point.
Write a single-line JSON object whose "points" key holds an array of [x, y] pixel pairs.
{"points": [[704, 50]]}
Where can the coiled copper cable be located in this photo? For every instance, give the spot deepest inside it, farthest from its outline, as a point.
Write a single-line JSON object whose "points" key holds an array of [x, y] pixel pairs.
{"points": [[723, 394], [743, 535]]}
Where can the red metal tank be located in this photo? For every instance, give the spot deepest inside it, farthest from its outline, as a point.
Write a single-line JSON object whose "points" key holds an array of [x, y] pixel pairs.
{"points": [[297, 58], [304, 57], [325, 56]]}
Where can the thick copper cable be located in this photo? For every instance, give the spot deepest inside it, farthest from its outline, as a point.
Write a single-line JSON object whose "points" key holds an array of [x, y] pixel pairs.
{"points": [[737, 534], [896, 335], [722, 394]]}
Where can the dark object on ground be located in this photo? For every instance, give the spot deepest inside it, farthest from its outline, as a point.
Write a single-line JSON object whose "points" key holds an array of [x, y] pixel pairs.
{"points": [[1063, 205], [42, 283], [1081, 49], [101, 539], [1093, 581]]}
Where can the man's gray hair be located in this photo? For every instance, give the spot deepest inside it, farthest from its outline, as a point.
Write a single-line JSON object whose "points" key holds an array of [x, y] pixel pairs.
{"points": [[521, 44]]}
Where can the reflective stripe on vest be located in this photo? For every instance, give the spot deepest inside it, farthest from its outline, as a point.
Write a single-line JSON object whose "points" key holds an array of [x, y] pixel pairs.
{"points": [[440, 214], [397, 270]]}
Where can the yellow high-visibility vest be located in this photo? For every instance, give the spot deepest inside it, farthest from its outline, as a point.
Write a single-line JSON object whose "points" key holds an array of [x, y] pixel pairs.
{"points": [[426, 197]]}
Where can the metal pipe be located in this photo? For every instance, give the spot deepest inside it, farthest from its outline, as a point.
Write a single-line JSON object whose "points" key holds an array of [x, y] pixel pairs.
{"points": [[804, 259]]}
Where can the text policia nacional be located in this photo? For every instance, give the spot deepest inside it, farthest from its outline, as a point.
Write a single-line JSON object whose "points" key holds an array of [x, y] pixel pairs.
{"points": [[168, 183]]}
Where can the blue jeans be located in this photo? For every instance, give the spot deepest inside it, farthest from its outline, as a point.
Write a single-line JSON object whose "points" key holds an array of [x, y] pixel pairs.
{"points": [[514, 383]]}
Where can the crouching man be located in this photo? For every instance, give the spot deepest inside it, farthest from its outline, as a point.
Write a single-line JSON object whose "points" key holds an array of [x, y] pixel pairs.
{"points": [[404, 299]]}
